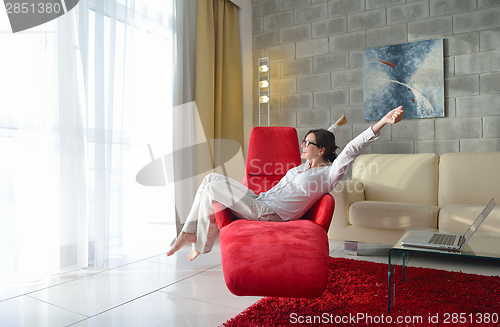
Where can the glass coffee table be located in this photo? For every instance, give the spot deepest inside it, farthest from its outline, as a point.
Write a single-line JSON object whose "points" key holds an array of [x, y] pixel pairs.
{"points": [[481, 245]]}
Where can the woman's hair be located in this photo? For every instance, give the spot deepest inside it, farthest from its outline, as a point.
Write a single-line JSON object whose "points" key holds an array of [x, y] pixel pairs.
{"points": [[326, 139]]}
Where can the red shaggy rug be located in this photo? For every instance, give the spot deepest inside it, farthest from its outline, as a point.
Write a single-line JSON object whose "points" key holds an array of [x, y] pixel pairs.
{"points": [[357, 296]]}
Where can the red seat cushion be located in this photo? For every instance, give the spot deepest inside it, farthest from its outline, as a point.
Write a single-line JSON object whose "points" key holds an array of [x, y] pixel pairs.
{"points": [[282, 259]]}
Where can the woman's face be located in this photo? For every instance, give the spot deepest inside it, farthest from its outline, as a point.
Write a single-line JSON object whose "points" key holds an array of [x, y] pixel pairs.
{"points": [[312, 151]]}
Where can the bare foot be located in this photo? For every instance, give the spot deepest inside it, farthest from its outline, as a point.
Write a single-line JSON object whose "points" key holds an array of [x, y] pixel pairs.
{"points": [[182, 239], [193, 255]]}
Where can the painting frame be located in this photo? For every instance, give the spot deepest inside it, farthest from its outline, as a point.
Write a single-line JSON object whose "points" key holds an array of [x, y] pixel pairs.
{"points": [[408, 74]]}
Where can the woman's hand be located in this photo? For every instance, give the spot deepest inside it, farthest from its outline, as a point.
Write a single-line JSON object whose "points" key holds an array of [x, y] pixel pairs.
{"points": [[341, 121], [393, 117]]}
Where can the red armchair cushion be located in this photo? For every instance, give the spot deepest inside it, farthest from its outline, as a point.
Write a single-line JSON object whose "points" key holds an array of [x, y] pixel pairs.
{"points": [[283, 259], [272, 151]]}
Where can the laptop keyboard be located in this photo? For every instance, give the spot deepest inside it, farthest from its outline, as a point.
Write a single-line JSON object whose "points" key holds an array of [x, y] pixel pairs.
{"points": [[443, 239]]}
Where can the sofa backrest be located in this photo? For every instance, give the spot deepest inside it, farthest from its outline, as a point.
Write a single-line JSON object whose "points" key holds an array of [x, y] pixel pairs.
{"points": [[469, 178], [408, 178]]}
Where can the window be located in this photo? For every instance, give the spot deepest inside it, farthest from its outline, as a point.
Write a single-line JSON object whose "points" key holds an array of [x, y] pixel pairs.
{"points": [[126, 64], [129, 89]]}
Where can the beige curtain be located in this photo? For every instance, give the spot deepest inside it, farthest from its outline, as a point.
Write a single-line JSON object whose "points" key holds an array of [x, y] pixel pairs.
{"points": [[219, 93]]}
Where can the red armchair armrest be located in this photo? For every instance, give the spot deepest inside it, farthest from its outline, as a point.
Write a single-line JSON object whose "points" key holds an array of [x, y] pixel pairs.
{"points": [[322, 211], [222, 214]]}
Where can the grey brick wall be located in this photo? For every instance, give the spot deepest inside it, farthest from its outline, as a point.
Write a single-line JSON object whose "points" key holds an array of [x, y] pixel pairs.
{"points": [[315, 48]]}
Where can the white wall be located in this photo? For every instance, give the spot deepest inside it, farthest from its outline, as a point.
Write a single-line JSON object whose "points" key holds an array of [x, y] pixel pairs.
{"points": [[315, 48]]}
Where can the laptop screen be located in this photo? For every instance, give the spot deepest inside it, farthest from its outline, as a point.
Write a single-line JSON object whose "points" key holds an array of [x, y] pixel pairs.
{"points": [[479, 220]]}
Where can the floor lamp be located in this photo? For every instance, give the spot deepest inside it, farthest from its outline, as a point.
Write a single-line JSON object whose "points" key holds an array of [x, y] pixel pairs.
{"points": [[264, 88]]}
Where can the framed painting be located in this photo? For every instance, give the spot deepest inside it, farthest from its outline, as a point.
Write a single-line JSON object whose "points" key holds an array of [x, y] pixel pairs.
{"points": [[409, 74]]}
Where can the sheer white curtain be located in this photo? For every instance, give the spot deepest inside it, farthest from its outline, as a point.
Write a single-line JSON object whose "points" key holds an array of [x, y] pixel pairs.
{"points": [[43, 195], [185, 113], [129, 85], [75, 124]]}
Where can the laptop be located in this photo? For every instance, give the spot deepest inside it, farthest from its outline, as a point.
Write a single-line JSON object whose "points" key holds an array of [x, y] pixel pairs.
{"points": [[445, 241]]}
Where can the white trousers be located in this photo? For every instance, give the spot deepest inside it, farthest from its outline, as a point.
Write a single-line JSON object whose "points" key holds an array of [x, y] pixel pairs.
{"points": [[230, 193]]}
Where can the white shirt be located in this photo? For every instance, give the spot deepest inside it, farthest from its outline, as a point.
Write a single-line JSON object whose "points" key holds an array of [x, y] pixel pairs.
{"points": [[301, 187]]}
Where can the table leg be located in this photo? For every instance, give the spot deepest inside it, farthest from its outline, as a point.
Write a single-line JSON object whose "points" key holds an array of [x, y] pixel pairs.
{"points": [[404, 275], [395, 257]]}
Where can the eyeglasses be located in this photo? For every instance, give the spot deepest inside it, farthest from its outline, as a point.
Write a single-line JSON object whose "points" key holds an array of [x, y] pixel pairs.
{"points": [[307, 143]]}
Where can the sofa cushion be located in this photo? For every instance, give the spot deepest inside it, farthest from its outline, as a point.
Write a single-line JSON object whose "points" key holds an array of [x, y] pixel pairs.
{"points": [[469, 178], [405, 178], [392, 215], [459, 217]]}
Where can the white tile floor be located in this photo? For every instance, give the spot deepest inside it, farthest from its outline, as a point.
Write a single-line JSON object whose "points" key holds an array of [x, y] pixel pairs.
{"points": [[156, 290]]}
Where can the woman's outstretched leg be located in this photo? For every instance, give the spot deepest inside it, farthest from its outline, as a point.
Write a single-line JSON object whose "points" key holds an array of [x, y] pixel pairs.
{"points": [[201, 226], [188, 233], [182, 240]]}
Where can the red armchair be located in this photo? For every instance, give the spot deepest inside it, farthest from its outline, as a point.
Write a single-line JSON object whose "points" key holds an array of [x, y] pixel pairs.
{"points": [[279, 259]]}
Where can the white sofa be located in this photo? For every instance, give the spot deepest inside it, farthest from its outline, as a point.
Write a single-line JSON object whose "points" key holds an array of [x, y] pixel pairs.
{"points": [[389, 193]]}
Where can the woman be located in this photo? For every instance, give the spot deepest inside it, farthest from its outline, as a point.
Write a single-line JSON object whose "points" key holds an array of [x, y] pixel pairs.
{"points": [[290, 199]]}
